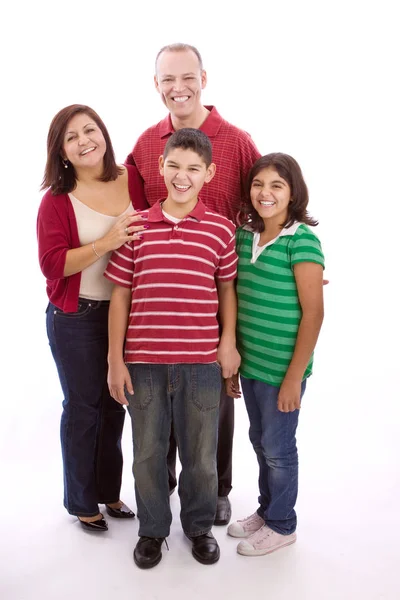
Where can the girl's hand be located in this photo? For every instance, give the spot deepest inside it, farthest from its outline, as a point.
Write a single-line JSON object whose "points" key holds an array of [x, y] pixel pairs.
{"points": [[289, 395], [128, 228], [232, 386]]}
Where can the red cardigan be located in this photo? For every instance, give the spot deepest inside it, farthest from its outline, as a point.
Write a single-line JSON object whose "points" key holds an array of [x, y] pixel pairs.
{"points": [[57, 232]]}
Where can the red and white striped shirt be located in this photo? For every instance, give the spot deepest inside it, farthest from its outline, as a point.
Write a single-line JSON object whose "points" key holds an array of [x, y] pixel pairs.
{"points": [[233, 151], [172, 272]]}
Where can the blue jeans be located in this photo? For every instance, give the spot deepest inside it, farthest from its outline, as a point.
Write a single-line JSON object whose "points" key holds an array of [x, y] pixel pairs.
{"points": [[273, 435], [186, 395], [91, 422]]}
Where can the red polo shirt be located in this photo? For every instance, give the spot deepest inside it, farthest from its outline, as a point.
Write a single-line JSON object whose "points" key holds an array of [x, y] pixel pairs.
{"points": [[234, 152], [172, 273]]}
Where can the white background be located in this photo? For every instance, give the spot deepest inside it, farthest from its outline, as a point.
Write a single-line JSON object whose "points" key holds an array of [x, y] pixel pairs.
{"points": [[317, 80]]}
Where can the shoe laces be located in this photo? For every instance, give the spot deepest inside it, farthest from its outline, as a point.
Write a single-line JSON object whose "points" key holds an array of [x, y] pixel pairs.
{"points": [[146, 537], [261, 534], [250, 519]]}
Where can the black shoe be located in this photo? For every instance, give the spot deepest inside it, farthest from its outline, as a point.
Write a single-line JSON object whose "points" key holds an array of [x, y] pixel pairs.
{"points": [[99, 525], [147, 553], [205, 548], [224, 511], [120, 513]]}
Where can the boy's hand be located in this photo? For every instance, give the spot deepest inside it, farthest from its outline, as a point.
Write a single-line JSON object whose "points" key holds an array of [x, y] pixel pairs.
{"points": [[289, 395], [118, 377], [228, 357], [232, 386]]}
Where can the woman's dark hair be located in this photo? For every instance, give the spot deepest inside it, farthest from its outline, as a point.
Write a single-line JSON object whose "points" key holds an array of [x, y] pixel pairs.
{"points": [[56, 177], [290, 171]]}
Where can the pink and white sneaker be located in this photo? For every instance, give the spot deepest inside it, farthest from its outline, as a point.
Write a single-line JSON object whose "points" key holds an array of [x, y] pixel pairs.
{"points": [[264, 541], [245, 527]]}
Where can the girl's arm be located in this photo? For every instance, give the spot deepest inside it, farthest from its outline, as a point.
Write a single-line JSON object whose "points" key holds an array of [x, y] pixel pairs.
{"points": [[309, 281], [118, 374]]}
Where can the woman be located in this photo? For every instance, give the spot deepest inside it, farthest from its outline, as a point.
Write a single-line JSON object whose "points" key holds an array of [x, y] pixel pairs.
{"points": [[85, 214]]}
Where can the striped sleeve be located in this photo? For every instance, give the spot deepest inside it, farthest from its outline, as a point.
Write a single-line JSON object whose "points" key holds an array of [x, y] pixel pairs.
{"points": [[120, 267], [227, 266], [306, 247]]}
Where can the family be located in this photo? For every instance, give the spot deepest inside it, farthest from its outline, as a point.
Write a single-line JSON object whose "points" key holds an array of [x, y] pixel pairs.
{"points": [[177, 282]]}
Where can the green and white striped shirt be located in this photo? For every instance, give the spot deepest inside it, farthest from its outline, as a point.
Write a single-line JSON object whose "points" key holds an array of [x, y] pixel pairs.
{"points": [[269, 310]]}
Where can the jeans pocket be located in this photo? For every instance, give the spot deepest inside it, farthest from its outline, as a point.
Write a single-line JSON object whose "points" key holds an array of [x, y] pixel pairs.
{"points": [[206, 386], [142, 387], [83, 309]]}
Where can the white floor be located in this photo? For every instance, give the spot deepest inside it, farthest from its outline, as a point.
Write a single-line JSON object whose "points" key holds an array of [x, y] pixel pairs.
{"points": [[347, 510]]}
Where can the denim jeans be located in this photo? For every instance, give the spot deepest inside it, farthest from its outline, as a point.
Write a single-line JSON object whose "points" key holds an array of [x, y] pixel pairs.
{"points": [[91, 422], [186, 395], [273, 435]]}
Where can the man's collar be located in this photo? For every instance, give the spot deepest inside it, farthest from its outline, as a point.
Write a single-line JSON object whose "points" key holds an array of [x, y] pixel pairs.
{"points": [[210, 126], [155, 214]]}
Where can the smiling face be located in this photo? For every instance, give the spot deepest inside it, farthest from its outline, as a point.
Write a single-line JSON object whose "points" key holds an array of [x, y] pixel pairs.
{"points": [[84, 144], [270, 195], [185, 173], [179, 81]]}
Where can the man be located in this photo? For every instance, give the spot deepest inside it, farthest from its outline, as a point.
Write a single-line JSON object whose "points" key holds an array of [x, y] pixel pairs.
{"points": [[180, 79]]}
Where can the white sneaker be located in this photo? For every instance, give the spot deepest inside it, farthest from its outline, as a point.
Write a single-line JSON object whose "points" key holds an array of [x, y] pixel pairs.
{"points": [[245, 527], [264, 541]]}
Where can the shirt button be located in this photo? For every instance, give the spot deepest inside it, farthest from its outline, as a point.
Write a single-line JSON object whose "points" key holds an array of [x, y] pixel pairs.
{"points": [[176, 227]]}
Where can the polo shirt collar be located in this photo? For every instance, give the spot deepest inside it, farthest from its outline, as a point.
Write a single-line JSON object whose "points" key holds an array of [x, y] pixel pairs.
{"points": [[285, 231], [210, 126], [155, 214]]}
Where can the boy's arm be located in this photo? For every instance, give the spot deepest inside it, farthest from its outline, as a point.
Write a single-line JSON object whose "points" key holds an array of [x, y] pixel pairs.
{"points": [[118, 374], [227, 355], [309, 281]]}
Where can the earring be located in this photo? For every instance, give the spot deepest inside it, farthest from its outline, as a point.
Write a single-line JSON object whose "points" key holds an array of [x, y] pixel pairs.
{"points": [[65, 162]]}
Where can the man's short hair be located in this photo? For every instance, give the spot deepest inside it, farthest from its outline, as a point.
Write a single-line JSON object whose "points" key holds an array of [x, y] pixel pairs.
{"points": [[180, 48], [190, 139]]}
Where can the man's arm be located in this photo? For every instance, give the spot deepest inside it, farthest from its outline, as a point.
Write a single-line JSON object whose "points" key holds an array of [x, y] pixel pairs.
{"points": [[228, 357], [118, 374]]}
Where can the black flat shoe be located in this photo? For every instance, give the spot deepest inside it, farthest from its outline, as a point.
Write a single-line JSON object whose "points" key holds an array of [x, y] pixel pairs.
{"points": [[224, 511], [120, 513], [99, 525], [147, 553], [205, 548]]}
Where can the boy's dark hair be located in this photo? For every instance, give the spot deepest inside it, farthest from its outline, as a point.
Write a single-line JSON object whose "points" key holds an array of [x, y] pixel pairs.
{"points": [[290, 171], [190, 139], [56, 177]]}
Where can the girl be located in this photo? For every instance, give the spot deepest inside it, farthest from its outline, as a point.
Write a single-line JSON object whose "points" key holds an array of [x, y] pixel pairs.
{"points": [[280, 313], [85, 214]]}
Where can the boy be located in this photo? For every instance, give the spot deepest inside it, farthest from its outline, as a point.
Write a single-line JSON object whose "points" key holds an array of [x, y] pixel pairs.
{"points": [[170, 286]]}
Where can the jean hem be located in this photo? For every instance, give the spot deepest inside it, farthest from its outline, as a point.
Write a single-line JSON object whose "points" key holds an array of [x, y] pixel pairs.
{"points": [[75, 513], [268, 523], [154, 535], [197, 534]]}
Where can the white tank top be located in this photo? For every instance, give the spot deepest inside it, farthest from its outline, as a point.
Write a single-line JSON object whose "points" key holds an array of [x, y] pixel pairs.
{"points": [[93, 225]]}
